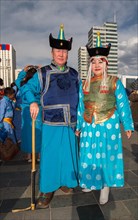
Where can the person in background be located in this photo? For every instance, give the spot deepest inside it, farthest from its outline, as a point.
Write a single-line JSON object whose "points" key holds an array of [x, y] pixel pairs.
{"points": [[26, 125], [133, 97], [1, 89], [103, 104], [58, 85], [17, 113], [6, 114]]}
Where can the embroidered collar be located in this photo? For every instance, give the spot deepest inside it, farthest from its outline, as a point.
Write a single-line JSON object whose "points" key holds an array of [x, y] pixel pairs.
{"points": [[61, 68]]}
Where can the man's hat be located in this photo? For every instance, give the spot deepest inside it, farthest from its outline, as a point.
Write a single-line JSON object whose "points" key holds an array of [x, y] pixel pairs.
{"points": [[99, 50], [60, 42]]}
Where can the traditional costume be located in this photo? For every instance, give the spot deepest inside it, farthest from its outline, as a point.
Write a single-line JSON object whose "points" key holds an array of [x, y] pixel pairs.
{"points": [[59, 98], [26, 124], [6, 117], [103, 104]]}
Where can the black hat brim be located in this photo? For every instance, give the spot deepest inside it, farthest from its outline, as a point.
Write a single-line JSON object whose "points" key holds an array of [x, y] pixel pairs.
{"points": [[60, 44], [98, 51]]}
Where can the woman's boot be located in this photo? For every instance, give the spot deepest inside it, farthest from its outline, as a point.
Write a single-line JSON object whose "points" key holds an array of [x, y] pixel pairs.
{"points": [[104, 194]]}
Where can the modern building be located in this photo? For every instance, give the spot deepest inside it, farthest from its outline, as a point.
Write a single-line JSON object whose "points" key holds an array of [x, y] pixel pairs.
{"points": [[108, 33], [17, 72], [7, 63], [82, 62], [127, 80], [112, 37]]}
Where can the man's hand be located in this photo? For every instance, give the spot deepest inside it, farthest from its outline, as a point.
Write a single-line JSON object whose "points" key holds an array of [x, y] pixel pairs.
{"points": [[34, 109], [128, 134]]}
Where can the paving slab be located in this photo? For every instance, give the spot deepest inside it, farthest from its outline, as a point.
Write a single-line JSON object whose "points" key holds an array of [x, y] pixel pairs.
{"points": [[15, 193]]}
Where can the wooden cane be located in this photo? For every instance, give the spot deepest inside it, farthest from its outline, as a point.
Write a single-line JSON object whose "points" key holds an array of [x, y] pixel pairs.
{"points": [[33, 167], [33, 172]]}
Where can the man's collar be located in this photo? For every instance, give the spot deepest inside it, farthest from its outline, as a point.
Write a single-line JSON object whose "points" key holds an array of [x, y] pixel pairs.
{"points": [[61, 68]]}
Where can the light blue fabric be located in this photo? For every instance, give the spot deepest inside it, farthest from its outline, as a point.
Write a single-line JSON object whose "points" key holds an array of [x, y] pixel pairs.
{"points": [[20, 77], [59, 158], [31, 91], [17, 113], [6, 111], [26, 125], [26, 132], [101, 156], [59, 152]]}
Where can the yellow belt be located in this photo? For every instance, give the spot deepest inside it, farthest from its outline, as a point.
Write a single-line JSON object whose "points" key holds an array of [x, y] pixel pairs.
{"points": [[9, 121]]}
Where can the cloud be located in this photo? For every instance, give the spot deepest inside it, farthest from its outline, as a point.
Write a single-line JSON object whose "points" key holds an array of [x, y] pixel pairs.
{"points": [[27, 25]]}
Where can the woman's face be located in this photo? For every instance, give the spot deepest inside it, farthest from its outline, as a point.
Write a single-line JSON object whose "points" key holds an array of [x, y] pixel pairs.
{"points": [[97, 66]]}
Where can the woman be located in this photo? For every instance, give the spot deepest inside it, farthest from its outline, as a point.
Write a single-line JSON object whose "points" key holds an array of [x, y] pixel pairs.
{"points": [[26, 131], [103, 104]]}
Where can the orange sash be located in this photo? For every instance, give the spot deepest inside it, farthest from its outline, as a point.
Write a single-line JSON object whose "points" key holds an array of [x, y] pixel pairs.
{"points": [[9, 121]]}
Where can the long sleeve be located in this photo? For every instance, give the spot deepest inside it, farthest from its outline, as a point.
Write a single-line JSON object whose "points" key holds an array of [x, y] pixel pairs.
{"points": [[80, 109], [123, 107], [31, 90], [2, 111], [20, 77]]}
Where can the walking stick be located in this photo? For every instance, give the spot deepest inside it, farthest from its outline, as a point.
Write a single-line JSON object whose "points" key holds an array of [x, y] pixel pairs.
{"points": [[33, 172], [33, 167]]}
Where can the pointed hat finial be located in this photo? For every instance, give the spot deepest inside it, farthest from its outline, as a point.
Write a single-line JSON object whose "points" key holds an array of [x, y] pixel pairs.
{"points": [[61, 35], [98, 40], [60, 42]]}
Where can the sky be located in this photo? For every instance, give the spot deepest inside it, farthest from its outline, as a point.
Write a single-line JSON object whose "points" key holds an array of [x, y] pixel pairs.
{"points": [[27, 25]]}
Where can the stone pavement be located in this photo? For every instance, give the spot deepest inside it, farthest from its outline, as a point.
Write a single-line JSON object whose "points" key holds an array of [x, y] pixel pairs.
{"points": [[15, 178]]}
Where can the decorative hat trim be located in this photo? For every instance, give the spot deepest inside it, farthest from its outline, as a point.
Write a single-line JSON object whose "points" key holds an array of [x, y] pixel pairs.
{"points": [[60, 42], [99, 50]]}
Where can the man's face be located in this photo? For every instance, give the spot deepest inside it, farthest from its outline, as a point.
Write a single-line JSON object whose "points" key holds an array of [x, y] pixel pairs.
{"points": [[60, 56]]}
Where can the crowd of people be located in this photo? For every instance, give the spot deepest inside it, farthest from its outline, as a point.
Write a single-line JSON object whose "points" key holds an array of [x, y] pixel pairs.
{"points": [[78, 136]]}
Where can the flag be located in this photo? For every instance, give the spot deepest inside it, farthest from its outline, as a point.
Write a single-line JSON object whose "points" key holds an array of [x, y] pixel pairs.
{"points": [[7, 47], [4, 46]]}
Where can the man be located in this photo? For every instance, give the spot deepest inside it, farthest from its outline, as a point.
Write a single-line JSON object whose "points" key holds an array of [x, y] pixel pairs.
{"points": [[58, 85]]}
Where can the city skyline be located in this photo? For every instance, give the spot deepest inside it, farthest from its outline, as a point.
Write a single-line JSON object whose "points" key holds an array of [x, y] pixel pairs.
{"points": [[27, 25]]}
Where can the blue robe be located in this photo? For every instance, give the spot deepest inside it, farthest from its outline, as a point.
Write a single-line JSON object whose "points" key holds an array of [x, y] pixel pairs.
{"points": [[59, 153], [101, 156], [7, 111], [17, 114], [26, 124]]}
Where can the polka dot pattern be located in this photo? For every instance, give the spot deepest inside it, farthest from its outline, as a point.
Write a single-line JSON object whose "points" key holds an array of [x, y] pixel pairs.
{"points": [[101, 160]]}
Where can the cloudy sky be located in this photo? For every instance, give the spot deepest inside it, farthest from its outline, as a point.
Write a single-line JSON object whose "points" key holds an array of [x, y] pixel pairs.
{"points": [[27, 25]]}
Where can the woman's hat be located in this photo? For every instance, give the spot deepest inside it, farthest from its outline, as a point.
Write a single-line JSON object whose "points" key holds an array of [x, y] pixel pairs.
{"points": [[99, 50], [60, 42]]}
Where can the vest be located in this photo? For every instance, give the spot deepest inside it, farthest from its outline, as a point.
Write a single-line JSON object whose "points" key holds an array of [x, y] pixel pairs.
{"points": [[59, 96], [99, 105]]}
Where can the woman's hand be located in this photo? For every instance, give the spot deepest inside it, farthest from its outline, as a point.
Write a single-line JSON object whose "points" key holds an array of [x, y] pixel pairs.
{"points": [[27, 67], [128, 134], [34, 109], [77, 133]]}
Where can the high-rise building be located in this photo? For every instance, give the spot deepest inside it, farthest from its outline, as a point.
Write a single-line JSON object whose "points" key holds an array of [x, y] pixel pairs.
{"points": [[7, 63], [82, 62], [17, 73], [112, 37], [108, 33]]}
